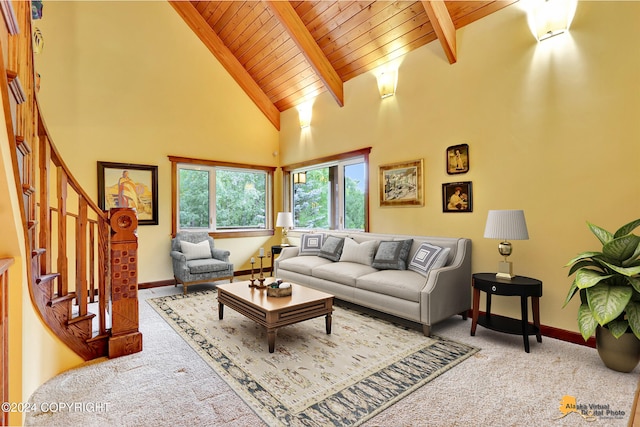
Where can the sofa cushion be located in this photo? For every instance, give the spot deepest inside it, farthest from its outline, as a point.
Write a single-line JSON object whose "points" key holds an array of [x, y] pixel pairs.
{"points": [[302, 265], [404, 284], [199, 266], [361, 253], [332, 248], [310, 244], [392, 255], [200, 250], [345, 273], [428, 256]]}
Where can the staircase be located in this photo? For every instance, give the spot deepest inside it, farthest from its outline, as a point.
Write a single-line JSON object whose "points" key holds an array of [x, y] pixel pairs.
{"points": [[83, 260]]}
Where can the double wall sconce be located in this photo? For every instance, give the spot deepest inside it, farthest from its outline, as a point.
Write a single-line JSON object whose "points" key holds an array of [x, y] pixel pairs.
{"points": [[387, 82], [304, 114], [548, 18]]}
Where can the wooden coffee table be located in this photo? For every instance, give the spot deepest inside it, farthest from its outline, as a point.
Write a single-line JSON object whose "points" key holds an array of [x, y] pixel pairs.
{"points": [[275, 312]]}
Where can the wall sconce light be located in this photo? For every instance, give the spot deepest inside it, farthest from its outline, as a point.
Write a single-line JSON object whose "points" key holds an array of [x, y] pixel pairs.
{"points": [[387, 81], [304, 114], [300, 178], [548, 18], [506, 225]]}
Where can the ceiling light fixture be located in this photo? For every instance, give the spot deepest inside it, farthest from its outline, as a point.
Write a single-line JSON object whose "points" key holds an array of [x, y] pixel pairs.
{"points": [[548, 18]]}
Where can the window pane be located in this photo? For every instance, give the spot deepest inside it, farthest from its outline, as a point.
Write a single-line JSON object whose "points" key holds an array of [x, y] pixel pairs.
{"points": [[354, 196], [193, 198], [241, 199], [312, 200]]}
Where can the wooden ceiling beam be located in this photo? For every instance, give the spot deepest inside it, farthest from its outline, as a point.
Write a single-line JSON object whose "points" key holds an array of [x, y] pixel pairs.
{"points": [[286, 14], [216, 46], [443, 27]]}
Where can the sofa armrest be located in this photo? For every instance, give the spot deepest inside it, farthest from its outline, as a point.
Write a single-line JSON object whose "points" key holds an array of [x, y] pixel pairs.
{"points": [[288, 252], [448, 289], [221, 254], [178, 256]]}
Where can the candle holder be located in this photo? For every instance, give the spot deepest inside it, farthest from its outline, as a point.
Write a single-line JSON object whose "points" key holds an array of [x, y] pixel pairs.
{"points": [[252, 279], [261, 277]]}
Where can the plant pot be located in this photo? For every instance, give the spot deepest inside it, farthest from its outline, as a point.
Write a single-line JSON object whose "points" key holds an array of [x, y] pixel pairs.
{"points": [[621, 354]]}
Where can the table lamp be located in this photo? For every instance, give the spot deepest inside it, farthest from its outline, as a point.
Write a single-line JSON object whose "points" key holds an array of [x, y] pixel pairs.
{"points": [[506, 225], [284, 220]]}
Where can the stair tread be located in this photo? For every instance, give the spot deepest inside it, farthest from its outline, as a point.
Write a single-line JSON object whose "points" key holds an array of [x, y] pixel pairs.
{"points": [[57, 300], [47, 278], [88, 316]]}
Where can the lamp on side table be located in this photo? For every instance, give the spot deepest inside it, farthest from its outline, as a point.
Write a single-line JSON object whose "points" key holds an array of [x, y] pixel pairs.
{"points": [[506, 225]]}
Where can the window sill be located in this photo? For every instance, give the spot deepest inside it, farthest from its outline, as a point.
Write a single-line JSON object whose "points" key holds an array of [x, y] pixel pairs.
{"points": [[240, 233]]}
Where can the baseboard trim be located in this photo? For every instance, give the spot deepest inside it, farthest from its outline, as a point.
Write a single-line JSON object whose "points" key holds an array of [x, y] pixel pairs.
{"points": [[171, 282], [564, 335]]}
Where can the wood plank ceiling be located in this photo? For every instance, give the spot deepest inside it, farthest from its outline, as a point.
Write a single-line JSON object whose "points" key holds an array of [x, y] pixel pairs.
{"points": [[285, 52]]}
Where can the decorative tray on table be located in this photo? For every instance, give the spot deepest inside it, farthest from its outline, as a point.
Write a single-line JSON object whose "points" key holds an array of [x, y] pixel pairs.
{"points": [[279, 289]]}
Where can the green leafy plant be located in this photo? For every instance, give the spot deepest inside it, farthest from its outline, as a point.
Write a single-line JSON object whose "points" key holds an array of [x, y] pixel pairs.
{"points": [[608, 282]]}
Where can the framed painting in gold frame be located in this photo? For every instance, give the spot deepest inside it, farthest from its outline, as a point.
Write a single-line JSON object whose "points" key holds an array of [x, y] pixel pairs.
{"points": [[401, 184]]}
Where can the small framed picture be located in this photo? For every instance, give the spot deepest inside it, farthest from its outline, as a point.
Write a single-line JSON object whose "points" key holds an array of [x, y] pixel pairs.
{"points": [[401, 184], [458, 159], [126, 185], [457, 197]]}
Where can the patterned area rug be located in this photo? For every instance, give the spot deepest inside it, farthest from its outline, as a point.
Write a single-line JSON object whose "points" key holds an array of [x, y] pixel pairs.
{"points": [[364, 366]]}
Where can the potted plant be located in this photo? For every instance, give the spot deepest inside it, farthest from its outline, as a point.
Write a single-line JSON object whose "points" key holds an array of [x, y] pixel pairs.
{"points": [[609, 286]]}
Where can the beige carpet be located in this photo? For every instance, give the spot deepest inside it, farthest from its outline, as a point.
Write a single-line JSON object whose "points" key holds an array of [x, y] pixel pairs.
{"points": [[169, 384], [365, 364]]}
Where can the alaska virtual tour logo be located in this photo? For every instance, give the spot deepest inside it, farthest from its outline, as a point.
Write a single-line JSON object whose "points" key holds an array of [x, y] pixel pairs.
{"points": [[590, 412]]}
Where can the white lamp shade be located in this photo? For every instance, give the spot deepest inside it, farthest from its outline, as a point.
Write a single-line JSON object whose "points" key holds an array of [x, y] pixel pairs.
{"points": [[285, 219], [506, 225]]}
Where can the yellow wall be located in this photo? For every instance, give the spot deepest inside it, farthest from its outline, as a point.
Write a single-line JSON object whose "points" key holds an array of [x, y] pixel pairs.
{"points": [[129, 82], [552, 127]]}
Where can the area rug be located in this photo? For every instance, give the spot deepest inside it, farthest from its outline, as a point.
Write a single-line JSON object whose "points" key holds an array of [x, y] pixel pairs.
{"points": [[313, 378]]}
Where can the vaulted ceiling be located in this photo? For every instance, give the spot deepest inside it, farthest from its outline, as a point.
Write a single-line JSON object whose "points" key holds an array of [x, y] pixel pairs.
{"points": [[285, 52]]}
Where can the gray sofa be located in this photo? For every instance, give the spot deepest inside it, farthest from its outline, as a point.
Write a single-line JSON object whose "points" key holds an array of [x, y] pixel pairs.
{"points": [[425, 293]]}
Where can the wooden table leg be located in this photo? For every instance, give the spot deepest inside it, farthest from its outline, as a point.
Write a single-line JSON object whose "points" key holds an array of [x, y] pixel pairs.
{"points": [[535, 306], [271, 339], [525, 322], [220, 310], [327, 322], [476, 309]]}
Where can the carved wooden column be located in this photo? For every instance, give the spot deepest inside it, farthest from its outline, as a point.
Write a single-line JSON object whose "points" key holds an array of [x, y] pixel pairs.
{"points": [[125, 337]]}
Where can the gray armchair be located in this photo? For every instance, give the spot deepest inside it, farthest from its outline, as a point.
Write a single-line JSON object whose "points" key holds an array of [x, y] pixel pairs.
{"points": [[198, 262]]}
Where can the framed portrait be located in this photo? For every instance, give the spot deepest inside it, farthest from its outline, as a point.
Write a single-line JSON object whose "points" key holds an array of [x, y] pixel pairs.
{"points": [[126, 185], [401, 184], [458, 159], [457, 197]]}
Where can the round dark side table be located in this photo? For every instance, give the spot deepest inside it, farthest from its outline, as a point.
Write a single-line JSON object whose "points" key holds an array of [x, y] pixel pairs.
{"points": [[523, 287]]}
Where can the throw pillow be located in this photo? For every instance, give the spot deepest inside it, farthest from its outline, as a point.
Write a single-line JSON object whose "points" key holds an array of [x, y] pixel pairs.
{"points": [[427, 257], [310, 244], [392, 255], [361, 253], [332, 248], [196, 250]]}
